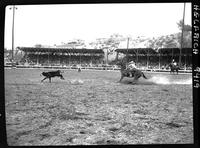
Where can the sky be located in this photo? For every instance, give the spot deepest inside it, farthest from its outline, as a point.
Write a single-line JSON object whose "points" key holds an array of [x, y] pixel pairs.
{"points": [[54, 24]]}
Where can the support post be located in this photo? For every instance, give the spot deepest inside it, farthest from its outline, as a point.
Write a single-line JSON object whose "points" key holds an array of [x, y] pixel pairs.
{"points": [[116, 58], [48, 58], [159, 62], [80, 58], [147, 58], [91, 59], [127, 52], [37, 59], [185, 63], [106, 58], [69, 59]]}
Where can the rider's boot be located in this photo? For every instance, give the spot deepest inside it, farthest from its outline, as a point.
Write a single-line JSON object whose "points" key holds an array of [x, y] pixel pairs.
{"points": [[130, 74]]}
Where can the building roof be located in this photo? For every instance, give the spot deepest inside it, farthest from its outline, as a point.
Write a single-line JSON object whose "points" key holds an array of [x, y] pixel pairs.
{"points": [[136, 51], [150, 51], [175, 50], [60, 50]]}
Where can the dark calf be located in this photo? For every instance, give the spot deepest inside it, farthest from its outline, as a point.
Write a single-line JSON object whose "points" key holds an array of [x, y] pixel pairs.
{"points": [[51, 74]]}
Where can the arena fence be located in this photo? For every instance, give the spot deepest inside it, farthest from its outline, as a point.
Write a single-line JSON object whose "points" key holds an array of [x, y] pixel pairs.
{"points": [[113, 68]]}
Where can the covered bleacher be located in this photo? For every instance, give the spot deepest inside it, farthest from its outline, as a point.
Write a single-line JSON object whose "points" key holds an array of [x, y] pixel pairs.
{"points": [[157, 59], [167, 54], [61, 57], [146, 58]]}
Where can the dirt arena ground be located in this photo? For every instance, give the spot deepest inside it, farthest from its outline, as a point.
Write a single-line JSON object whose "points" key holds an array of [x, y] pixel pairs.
{"points": [[91, 108]]}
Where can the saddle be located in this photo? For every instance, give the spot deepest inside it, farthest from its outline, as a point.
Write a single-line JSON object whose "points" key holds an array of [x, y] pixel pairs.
{"points": [[128, 71], [131, 70]]}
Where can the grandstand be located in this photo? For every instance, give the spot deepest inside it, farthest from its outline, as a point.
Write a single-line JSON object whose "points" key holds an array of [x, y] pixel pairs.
{"points": [[145, 58], [157, 59], [61, 56]]}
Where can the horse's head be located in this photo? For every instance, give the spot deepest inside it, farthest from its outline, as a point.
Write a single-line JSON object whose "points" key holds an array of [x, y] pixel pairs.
{"points": [[170, 65], [121, 64], [118, 63]]}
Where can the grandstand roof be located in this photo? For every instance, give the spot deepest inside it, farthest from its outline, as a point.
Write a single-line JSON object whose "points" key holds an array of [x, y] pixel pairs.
{"points": [[136, 51], [62, 50], [175, 50], [151, 51]]}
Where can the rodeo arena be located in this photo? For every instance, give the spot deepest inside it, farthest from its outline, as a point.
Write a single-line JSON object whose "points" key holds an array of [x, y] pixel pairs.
{"points": [[69, 96]]}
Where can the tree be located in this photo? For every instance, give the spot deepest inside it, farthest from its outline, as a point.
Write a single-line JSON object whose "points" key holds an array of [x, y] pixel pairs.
{"points": [[186, 28], [174, 40], [169, 41], [109, 45], [187, 35], [38, 45], [76, 42]]}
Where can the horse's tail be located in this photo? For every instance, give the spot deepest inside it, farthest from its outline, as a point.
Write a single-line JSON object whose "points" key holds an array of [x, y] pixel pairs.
{"points": [[144, 75]]}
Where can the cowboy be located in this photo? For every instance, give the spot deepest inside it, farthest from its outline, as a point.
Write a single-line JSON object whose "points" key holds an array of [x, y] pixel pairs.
{"points": [[174, 62], [131, 66]]}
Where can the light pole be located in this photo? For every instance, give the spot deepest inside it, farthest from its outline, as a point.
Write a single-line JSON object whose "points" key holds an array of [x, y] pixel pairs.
{"points": [[13, 24], [182, 36]]}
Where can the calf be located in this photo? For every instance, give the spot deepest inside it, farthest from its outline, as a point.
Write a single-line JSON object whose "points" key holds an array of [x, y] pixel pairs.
{"points": [[51, 74]]}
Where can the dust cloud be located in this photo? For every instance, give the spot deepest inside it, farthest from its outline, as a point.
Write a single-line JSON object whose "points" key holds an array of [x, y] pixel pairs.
{"points": [[166, 80]]}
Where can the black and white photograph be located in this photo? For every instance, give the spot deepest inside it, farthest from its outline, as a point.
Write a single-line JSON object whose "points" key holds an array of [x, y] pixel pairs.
{"points": [[98, 74]]}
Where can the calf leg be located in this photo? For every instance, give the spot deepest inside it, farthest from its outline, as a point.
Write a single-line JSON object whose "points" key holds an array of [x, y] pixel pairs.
{"points": [[43, 79], [61, 77], [49, 79]]}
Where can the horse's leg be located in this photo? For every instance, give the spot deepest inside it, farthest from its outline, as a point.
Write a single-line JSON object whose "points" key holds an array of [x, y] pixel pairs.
{"points": [[121, 78], [136, 77], [49, 79], [43, 79], [135, 80]]}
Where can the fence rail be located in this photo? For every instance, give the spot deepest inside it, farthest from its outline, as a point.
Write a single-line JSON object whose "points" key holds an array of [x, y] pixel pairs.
{"points": [[92, 68]]}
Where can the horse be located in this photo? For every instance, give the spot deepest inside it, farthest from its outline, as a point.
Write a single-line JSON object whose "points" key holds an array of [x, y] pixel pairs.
{"points": [[174, 68], [126, 72]]}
